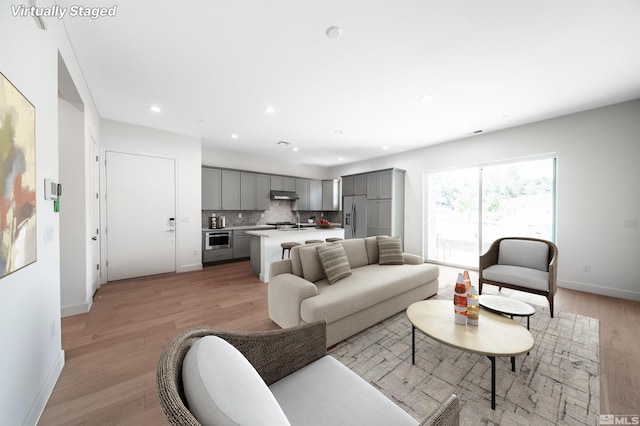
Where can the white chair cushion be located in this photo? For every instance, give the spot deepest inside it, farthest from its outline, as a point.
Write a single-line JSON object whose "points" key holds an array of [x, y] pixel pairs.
{"points": [[517, 275], [326, 392], [524, 253], [223, 388]]}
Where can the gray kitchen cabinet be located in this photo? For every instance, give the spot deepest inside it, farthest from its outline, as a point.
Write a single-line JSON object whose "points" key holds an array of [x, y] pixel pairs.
{"points": [[230, 190], [380, 218], [354, 185], [380, 184], [263, 187], [283, 183], [241, 244], [211, 189], [315, 195], [248, 188], [330, 195], [302, 189]]}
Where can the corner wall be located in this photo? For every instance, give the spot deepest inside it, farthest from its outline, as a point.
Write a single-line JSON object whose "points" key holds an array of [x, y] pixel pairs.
{"points": [[597, 193]]}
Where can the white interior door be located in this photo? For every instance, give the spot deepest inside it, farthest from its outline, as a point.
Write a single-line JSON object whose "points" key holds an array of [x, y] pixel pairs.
{"points": [[140, 215]]}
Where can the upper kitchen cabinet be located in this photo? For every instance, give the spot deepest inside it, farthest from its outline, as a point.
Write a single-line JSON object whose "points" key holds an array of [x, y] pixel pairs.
{"points": [[248, 187], [283, 183], [263, 189], [211, 189], [315, 195], [380, 184], [354, 185], [230, 190], [330, 195], [302, 189]]}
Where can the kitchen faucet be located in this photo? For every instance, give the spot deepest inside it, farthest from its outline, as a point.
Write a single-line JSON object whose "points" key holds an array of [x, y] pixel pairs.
{"points": [[298, 219]]}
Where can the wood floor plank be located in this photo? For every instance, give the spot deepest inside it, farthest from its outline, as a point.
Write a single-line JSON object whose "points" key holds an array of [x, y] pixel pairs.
{"points": [[112, 351]]}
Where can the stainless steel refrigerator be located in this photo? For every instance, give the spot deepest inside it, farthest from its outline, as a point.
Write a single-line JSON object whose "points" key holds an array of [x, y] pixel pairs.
{"points": [[355, 216]]}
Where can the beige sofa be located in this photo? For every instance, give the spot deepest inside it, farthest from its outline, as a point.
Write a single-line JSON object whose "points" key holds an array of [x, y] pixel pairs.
{"points": [[299, 292]]}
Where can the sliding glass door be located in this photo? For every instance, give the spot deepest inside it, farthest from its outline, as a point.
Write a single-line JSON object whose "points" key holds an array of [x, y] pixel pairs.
{"points": [[469, 208]]}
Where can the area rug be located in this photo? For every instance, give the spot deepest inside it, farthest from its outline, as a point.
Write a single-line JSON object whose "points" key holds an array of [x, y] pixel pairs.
{"points": [[557, 383]]}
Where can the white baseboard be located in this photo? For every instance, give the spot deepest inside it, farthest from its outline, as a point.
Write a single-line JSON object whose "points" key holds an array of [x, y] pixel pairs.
{"points": [[605, 291], [70, 310], [45, 391], [189, 268]]}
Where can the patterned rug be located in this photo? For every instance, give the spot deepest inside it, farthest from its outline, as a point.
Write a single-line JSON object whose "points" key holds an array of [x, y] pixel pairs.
{"points": [[556, 383]]}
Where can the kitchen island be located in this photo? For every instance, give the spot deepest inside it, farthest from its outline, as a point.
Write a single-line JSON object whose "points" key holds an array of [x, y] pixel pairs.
{"points": [[265, 245]]}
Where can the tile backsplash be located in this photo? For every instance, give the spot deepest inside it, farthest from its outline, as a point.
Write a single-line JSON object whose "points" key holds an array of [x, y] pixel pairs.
{"points": [[279, 211]]}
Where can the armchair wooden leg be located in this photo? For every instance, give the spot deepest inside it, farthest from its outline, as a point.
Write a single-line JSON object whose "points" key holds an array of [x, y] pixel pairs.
{"points": [[550, 298]]}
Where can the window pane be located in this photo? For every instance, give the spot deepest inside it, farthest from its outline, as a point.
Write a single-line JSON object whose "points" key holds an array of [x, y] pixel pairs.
{"points": [[518, 200], [452, 235]]}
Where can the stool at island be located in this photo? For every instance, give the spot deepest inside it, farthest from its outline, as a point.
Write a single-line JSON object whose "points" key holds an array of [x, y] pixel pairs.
{"points": [[333, 239], [313, 241], [288, 246]]}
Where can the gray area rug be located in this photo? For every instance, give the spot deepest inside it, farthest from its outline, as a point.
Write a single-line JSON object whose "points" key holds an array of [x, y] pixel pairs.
{"points": [[556, 383]]}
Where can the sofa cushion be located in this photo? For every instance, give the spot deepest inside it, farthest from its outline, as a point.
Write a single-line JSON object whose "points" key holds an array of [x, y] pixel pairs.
{"points": [[517, 275], [524, 253], [223, 388], [372, 249], [326, 392], [311, 265], [366, 287], [390, 251], [334, 262], [356, 251]]}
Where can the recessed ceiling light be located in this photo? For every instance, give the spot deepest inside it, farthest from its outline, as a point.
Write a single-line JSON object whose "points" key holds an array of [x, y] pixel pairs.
{"points": [[234, 136], [385, 148], [154, 108], [340, 159], [268, 110], [338, 132], [334, 32], [295, 149], [283, 143], [426, 98]]}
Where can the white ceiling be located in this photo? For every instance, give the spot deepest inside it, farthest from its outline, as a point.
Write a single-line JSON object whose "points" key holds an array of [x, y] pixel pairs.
{"points": [[212, 66]]}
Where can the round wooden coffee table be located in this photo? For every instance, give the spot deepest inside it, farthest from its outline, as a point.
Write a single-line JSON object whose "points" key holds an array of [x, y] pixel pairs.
{"points": [[494, 336], [506, 306]]}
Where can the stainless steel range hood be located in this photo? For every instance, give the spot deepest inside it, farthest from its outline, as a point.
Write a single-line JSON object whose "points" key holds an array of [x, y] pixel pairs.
{"points": [[284, 195]]}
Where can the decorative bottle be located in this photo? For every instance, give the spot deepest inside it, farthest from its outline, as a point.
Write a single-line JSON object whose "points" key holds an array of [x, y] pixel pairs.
{"points": [[467, 280], [460, 301], [473, 306]]}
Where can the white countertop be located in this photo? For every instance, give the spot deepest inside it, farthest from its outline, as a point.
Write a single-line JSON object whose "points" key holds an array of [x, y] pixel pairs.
{"points": [[292, 232]]}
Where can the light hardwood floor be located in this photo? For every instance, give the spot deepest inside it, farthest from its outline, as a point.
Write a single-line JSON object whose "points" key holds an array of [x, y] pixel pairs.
{"points": [[112, 352]]}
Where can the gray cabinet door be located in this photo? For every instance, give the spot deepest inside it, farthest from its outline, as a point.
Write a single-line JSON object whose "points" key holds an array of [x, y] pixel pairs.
{"points": [[211, 185], [315, 195], [347, 185], [302, 189], [330, 195], [288, 184], [263, 186], [230, 190], [241, 244], [248, 186], [379, 218], [380, 185], [360, 185]]}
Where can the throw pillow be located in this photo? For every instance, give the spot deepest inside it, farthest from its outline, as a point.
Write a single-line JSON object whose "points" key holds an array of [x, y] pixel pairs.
{"points": [[390, 251], [334, 262], [222, 387]]}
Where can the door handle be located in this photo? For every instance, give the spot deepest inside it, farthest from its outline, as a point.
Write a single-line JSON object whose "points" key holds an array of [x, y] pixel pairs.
{"points": [[94, 238], [170, 230]]}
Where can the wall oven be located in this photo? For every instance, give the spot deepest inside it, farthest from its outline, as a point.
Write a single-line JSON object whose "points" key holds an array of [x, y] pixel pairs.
{"points": [[217, 239]]}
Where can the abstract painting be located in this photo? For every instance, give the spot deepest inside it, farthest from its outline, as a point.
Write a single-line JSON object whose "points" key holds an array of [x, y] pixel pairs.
{"points": [[17, 179]]}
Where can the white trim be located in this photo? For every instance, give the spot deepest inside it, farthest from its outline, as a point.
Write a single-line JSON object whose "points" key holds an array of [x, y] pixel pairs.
{"points": [[82, 308], [189, 268], [597, 289], [40, 402]]}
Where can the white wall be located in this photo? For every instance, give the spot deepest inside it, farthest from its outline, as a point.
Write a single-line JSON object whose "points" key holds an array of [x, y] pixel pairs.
{"points": [[186, 151], [234, 160], [31, 358], [597, 176]]}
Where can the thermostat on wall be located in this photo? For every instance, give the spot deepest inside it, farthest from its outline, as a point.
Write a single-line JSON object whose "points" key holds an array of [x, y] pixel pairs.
{"points": [[52, 190]]}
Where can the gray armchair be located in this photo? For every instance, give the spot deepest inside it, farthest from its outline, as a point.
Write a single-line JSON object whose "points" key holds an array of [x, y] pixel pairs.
{"points": [[521, 263]]}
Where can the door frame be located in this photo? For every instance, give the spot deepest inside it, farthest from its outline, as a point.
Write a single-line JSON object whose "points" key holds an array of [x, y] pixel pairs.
{"points": [[103, 202]]}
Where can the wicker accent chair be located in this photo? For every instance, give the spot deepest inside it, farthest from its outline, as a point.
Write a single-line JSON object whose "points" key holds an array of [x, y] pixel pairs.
{"points": [[274, 354], [520, 276]]}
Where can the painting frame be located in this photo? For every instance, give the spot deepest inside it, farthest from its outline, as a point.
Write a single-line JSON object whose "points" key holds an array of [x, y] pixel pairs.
{"points": [[18, 230]]}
